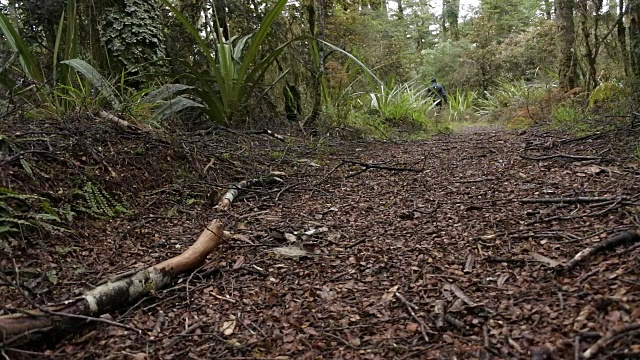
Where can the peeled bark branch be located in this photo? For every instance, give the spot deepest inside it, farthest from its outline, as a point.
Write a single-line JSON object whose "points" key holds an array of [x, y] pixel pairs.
{"points": [[116, 120], [232, 193], [114, 295], [622, 238]]}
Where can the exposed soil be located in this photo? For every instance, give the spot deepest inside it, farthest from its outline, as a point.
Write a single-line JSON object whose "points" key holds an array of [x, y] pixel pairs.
{"points": [[379, 233]]}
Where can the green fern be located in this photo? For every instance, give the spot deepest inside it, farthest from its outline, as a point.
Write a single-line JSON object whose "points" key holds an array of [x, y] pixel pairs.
{"points": [[21, 211], [100, 202]]}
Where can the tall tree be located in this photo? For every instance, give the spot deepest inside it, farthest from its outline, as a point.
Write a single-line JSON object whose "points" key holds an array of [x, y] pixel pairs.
{"points": [[590, 11], [450, 13], [566, 41], [634, 40], [547, 9], [622, 40]]}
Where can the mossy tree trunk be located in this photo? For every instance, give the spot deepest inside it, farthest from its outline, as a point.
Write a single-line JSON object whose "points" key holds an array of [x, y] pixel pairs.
{"points": [[566, 40]]}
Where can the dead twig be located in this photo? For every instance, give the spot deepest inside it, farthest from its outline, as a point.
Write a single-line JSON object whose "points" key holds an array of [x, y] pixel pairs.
{"points": [[609, 337], [475, 180], [567, 156], [367, 166], [269, 133], [410, 308], [20, 155], [617, 240], [575, 200], [187, 331]]}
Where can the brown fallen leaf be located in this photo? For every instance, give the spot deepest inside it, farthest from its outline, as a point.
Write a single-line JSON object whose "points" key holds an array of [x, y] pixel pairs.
{"points": [[228, 327], [412, 327], [390, 294]]}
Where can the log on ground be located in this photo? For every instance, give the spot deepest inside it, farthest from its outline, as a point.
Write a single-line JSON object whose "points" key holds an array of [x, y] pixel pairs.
{"points": [[113, 295]]}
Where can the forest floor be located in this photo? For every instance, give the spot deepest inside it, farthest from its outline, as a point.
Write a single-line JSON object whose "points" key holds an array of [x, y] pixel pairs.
{"points": [[442, 227]]}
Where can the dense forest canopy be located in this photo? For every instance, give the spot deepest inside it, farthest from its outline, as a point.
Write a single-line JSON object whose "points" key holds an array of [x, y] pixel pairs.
{"points": [[338, 61]]}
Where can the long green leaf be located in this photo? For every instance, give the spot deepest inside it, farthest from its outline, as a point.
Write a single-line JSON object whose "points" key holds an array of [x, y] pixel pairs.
{"points": [[105, 87], [27, 60], [196, 36], [174, 105], [164, 92], [71, 40], [350, 56], [56, 47], [258, 39]]}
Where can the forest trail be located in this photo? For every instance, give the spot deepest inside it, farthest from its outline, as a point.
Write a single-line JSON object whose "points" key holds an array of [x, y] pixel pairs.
{"points": [[389, 249]]}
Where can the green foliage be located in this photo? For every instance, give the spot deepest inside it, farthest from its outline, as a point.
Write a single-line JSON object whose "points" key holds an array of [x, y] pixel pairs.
{"points": [[451, 64], [568, 117], [103, 85], [19, 212], [529, 53], [29, 62], [508, 94], [401, 102], [461, 105], [100, 203], [509, 16], [379, 42], [636, 153], [366, 125], [232, 74], [607, 91]]}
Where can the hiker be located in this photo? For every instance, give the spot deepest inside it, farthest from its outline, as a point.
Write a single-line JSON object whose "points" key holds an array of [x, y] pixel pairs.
{"points": [[437, 93]]}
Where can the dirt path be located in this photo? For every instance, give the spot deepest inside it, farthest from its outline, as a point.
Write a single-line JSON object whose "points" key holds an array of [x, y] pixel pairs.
{"points": [[382, 233]]}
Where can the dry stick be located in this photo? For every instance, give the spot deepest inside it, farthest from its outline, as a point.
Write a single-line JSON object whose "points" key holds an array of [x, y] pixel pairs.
{"points": [[439, 309], [413, 314], [617, 240], [608, 337], [188, 330], [568, 156], [574, 200], [20, 155], [269, 133], [367, 166], [111, 296], [122, 123], [231, 194], [474, 180]]}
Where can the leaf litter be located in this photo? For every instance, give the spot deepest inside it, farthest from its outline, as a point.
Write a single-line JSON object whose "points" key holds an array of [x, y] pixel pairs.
{"points": [[436, 264]]}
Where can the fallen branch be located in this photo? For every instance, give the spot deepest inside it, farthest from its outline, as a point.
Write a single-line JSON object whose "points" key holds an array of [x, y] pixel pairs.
{"points": [[367, 166], [620, 239], [21, 155], [111, 296], [566, 156], [116, 120], [575, 200], [413, 315], [269, 133], [474, 180], [231, 194], [608, 337]]}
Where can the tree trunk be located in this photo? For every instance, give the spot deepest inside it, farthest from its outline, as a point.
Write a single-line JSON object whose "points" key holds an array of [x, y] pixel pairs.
{"points": [[547, 9], [317, 54], [400, 10], [445, 4], [452, 10], [634, 42], [622, 42], [590, 46], [566, 43]]}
